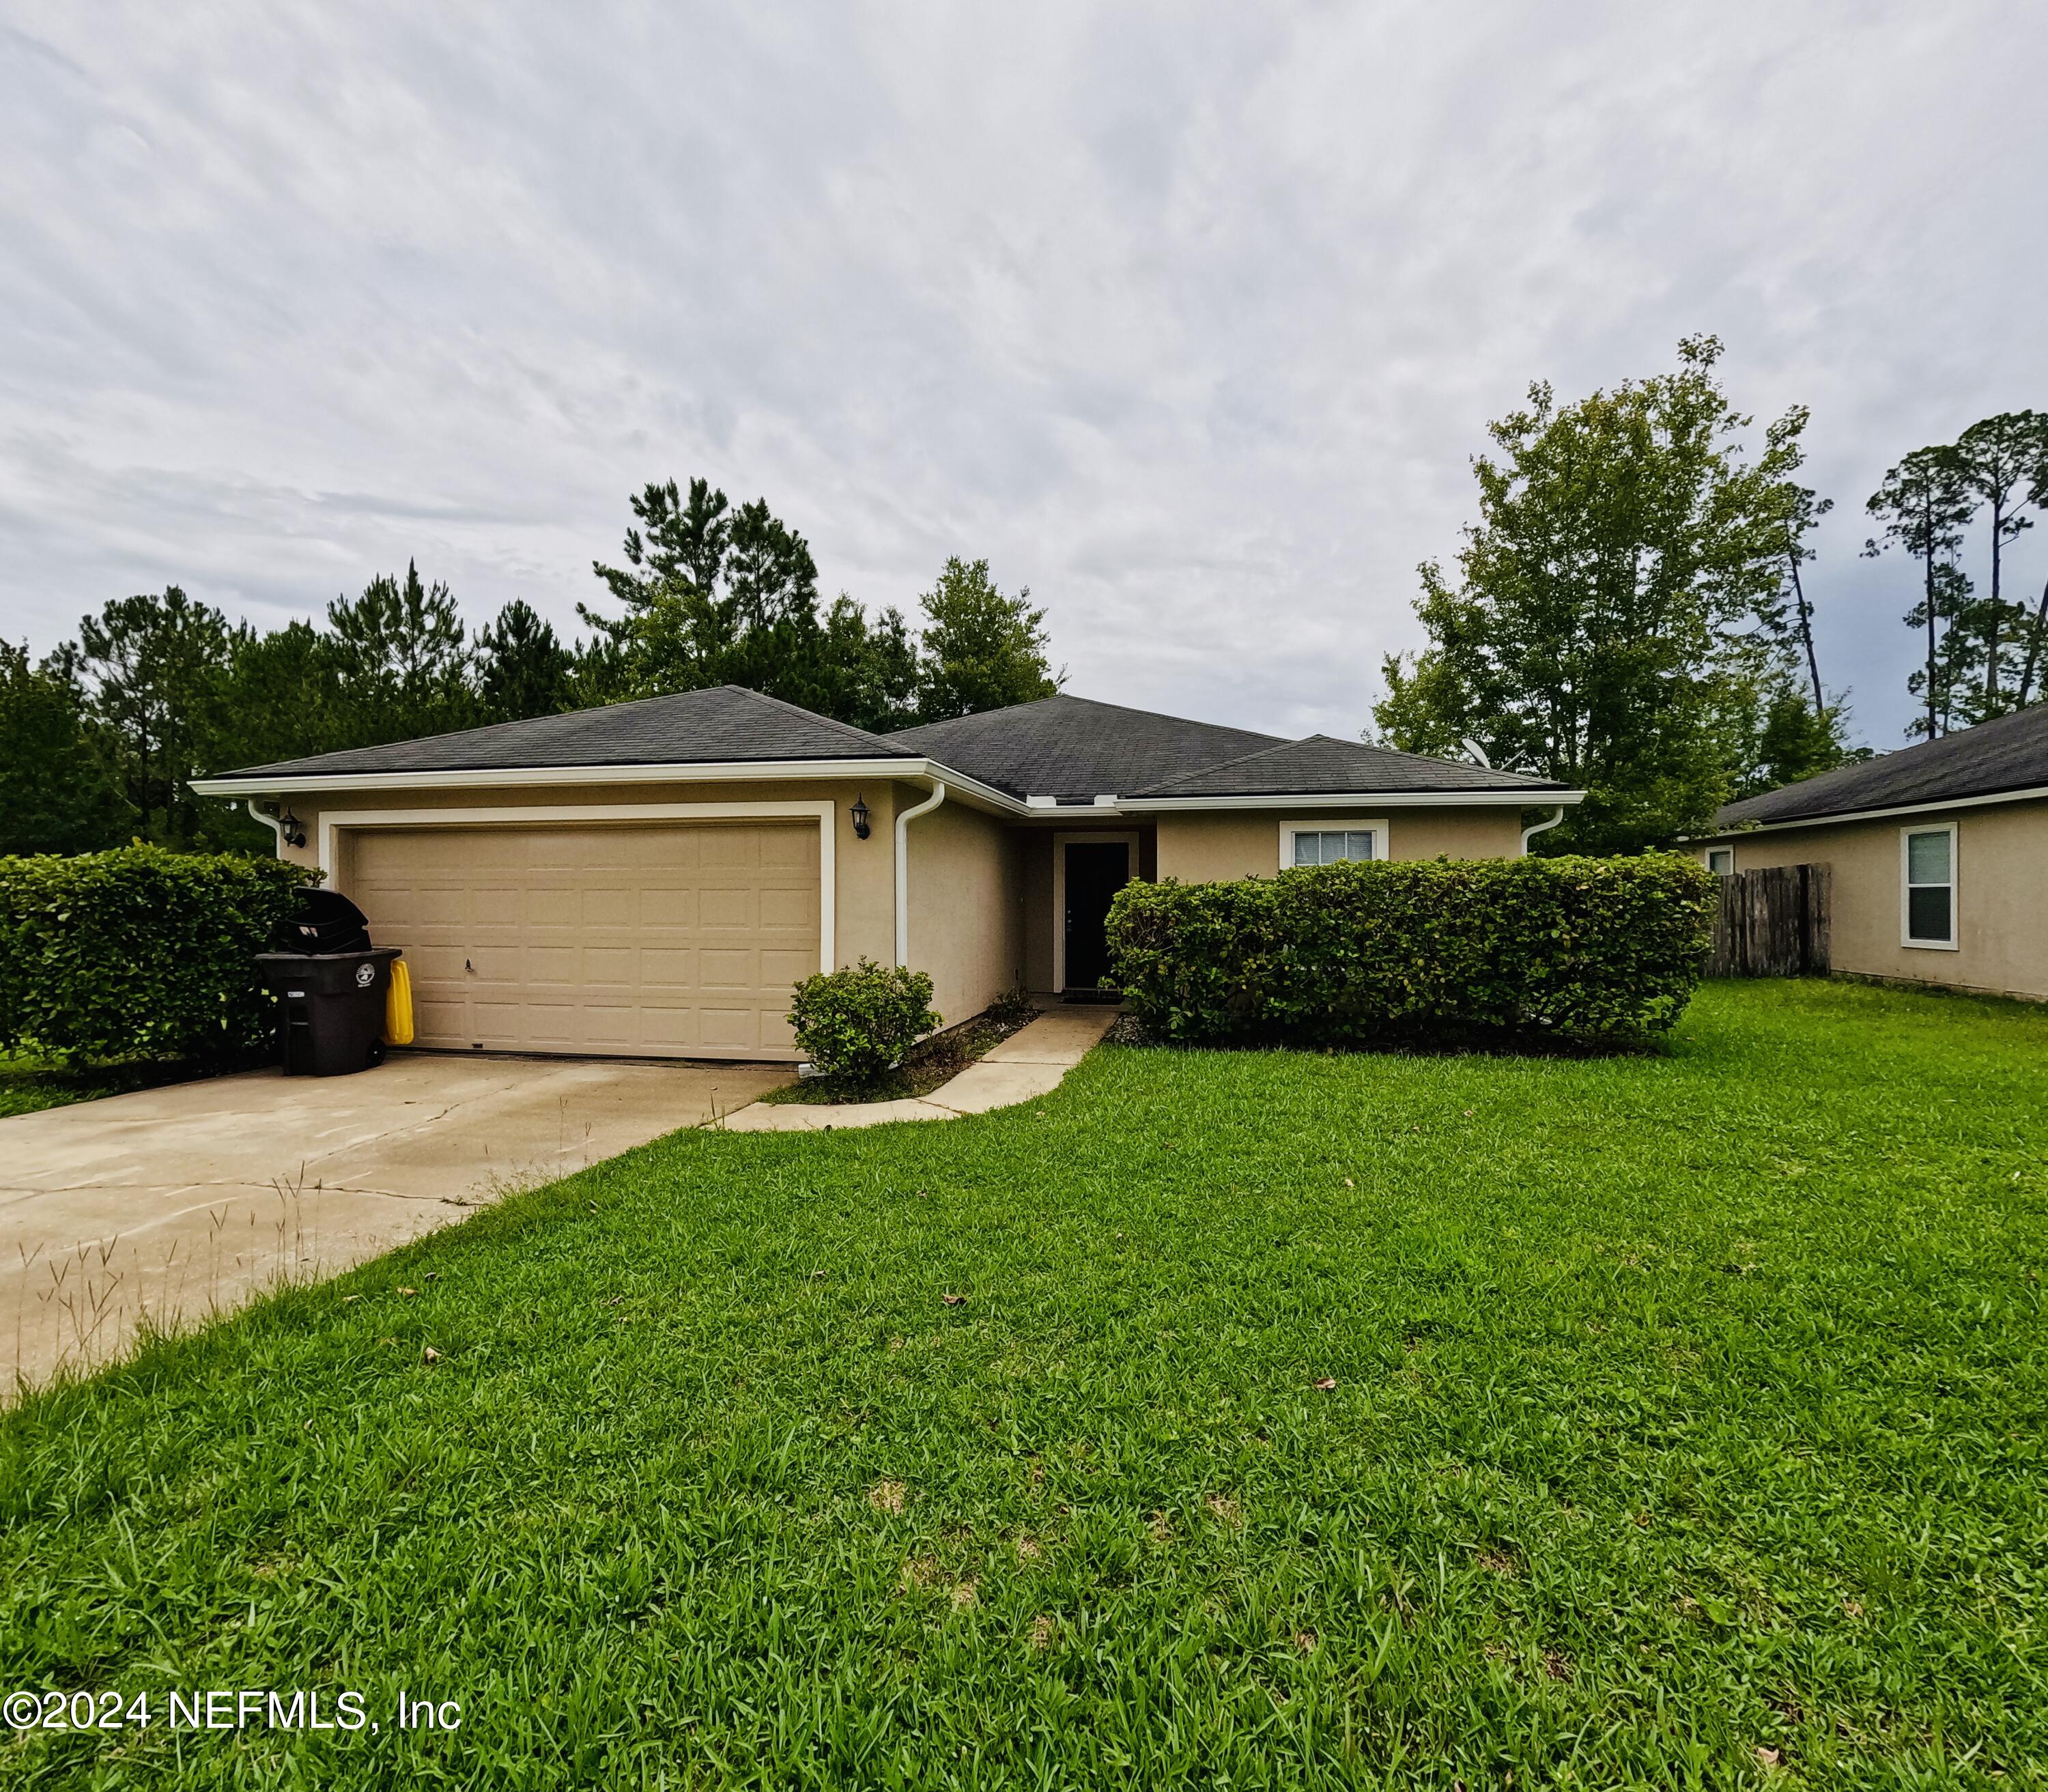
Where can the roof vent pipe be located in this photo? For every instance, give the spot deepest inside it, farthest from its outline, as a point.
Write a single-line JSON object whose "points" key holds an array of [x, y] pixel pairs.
{"points": [[903, 867]]}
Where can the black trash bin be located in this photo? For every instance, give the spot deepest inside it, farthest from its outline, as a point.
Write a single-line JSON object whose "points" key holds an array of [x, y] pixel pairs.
{"points": [[327, 921], [332, 1018]]}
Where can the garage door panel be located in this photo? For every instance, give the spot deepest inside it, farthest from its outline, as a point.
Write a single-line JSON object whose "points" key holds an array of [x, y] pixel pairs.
{"points": [[551, 907], [788, 849], [609, 907], [667, 906], [669, 1029], [680, 939], [609, 965], [729, 1029], [780, 969], [790, 909], [720, 908], [724, 968], [667, 968]]}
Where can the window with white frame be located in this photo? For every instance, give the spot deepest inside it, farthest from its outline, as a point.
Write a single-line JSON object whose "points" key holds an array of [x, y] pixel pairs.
{"points": [[1928, 866], [1330, 846], [1721, 861]]}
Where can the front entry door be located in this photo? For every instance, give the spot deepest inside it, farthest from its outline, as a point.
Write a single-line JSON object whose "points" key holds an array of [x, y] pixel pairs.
{"points": [[1096, 870]]}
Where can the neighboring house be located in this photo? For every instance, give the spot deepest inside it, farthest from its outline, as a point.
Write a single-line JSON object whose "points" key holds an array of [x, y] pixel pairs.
{"points": [[649, 878], [1939, 856]]}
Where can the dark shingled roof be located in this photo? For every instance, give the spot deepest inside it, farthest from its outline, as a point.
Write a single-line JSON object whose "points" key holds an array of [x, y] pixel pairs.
{"points": [[1066, 747], [1075, 749], [1324, 764], [2009, 753], [727, 722]]}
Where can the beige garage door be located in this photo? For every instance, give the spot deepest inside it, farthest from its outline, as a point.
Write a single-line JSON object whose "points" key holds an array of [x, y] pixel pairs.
{"points": [[670, 939]]}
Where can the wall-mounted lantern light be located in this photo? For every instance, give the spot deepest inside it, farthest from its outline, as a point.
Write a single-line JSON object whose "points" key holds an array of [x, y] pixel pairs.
{"points": [[859, 819], [292, 829]]}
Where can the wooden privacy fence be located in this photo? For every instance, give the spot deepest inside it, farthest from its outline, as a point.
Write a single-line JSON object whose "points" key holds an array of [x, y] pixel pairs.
{"points": [[1772, 923]]}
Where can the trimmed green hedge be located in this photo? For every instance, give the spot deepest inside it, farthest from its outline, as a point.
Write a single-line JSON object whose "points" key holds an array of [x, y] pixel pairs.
{"points": [[139, 953], [1418, 951]]}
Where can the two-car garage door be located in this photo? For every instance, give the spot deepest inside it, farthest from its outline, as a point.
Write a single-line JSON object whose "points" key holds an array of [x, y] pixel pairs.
{"points": [[672, 940]]}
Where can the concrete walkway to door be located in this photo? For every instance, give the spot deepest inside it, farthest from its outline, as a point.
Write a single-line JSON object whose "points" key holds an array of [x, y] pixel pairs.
{"points": [[178, 1203], [1033, 1061]]}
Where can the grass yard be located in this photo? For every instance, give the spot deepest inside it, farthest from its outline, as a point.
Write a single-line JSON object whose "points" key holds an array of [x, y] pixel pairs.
{"points": [[1225, 1419], [28, 1083]]}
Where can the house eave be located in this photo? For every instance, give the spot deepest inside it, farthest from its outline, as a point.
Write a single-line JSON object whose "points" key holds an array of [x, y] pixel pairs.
{"points": [[1356, 799], [584, 777], [1746, 830]]}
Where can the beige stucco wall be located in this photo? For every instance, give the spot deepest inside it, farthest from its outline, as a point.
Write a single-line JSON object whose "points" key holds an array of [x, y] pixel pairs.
{"points": [[1216, 846], [2001, 896], [864, 891], [966, 906]]}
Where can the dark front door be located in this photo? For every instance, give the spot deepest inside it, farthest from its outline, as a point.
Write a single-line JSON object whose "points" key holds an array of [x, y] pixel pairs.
{"points": [[1096, 871]]}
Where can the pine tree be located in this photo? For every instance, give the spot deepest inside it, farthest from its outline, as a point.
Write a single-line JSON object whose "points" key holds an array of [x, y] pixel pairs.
{"points": [[1925, 503], [522, 669]]}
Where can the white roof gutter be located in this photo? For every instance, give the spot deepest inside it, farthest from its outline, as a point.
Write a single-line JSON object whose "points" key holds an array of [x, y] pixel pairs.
{"points": [[911, 769], [1357, 799], [315, 784]]}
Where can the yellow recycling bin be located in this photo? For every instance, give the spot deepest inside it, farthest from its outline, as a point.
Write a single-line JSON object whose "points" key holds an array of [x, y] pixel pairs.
{"points": [[398, 1005]]}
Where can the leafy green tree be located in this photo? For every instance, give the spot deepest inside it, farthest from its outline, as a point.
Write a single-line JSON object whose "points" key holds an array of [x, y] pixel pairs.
{"points": [[55, 794], [1775, 735], [400, 657], [873, 668], [2001, 460], [1923, 502], [981, 649], [1612, 603], [157, 668], [521, 668], [285, 698]]}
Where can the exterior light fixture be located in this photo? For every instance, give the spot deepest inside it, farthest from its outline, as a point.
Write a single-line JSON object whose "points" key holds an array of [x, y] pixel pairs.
{"points": [[859, 819], [292, 829]]}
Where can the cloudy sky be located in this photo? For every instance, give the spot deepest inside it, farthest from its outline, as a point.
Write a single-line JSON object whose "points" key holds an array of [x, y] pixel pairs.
{"points": [[1187, 317]]}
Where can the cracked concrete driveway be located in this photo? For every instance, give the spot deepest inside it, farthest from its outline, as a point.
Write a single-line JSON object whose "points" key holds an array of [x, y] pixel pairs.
{"points": [[179, 1202]]}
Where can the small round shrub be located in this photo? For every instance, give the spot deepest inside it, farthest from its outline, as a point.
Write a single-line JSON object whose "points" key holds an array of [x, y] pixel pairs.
{"points": [[855, 1024]]}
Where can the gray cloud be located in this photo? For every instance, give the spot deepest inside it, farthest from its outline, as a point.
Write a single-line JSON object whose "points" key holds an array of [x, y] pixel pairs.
{"points": [[1189, 317]]}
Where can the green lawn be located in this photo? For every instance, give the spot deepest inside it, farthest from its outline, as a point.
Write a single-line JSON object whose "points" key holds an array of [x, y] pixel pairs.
{"points": [[28, 1083], [1686, 1409]]}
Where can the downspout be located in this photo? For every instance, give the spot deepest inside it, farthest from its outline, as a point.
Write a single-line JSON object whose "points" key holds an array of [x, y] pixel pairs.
{"points": [[1529, 834], [903, 867], [270, 821]]}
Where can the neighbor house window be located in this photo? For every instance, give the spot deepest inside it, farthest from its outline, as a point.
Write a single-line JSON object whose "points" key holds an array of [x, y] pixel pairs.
{"points": [[1721, 861], [1930, 862], [1330, 845]]}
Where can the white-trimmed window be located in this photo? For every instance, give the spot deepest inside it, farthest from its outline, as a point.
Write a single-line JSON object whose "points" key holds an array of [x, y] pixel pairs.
{"points": [[1927, 893], [1332, 846], [1721, 861]]}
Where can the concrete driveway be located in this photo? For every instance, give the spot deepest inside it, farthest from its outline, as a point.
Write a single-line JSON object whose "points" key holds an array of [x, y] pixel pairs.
{"points": [[179, 1202]]}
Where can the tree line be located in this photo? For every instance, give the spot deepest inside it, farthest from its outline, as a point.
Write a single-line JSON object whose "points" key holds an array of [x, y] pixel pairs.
{"points": [[1985, 648], [100, 739], [1629, 614]]}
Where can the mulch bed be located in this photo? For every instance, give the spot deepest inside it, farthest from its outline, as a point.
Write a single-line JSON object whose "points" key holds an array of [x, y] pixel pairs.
{"points": [[928, 1065]]}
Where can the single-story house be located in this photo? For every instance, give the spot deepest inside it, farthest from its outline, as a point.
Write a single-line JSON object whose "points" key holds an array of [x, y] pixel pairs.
{"points": [[650, 877], [1938, 856]]}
